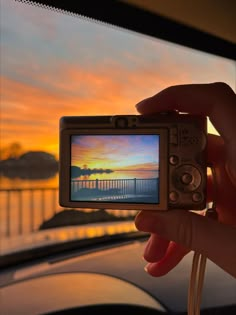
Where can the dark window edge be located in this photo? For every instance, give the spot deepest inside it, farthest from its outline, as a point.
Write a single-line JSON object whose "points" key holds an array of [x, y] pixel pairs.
{"points": [[135, 19]]}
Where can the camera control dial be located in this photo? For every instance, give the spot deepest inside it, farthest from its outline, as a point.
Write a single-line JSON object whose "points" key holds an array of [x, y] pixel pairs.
{"points": [[186, 178]]}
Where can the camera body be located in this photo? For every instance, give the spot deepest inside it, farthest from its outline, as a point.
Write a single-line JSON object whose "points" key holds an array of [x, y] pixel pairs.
{"points": [[136, 162]]}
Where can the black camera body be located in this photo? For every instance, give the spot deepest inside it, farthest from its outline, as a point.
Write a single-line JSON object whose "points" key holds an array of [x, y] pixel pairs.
{"points": [[133, 162]]}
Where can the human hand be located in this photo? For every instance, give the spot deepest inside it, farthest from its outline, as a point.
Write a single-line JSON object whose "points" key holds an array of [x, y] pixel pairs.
{"points": [[174, 233]]}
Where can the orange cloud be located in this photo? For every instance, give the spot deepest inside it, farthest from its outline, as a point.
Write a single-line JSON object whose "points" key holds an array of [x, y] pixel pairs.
{"points": [[30, 111], [30, 114], [116, 152]]}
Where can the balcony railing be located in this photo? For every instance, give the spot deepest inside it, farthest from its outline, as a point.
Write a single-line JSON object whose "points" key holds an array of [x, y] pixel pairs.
{"points": [[23, 210], [115, 189]]}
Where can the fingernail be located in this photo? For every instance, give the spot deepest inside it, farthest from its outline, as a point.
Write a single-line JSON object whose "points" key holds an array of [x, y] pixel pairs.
{"points": [[146, 268]]}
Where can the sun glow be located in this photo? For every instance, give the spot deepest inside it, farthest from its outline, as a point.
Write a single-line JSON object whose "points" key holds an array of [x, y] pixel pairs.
{"points": [[46, 74]]}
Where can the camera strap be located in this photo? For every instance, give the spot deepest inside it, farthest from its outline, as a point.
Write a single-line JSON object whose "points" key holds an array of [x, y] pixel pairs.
{"points": [[199, 264]]}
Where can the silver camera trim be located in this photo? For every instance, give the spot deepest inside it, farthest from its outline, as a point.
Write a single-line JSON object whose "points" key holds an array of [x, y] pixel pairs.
{"points": [[183, 168]]}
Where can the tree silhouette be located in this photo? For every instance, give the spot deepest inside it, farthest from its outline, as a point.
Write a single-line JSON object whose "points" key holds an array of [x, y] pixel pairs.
{"points": [[11, 151]]}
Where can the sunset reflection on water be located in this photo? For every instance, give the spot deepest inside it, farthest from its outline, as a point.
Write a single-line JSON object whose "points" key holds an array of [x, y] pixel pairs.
{"points": [[121, 175], [28, 183], [64, 234]]}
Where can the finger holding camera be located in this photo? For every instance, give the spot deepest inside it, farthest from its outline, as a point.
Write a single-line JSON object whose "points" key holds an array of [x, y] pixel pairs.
{"points": [[174, 233]]}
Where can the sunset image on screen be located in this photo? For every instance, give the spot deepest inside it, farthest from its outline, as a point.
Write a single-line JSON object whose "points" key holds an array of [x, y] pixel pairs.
{"points": [[115, 168]]}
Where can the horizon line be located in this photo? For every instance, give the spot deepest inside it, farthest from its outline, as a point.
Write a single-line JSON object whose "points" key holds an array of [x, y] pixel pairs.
{"points": [[140, 170]]}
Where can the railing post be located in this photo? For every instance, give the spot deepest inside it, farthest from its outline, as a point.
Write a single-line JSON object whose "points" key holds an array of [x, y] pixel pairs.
{"points": [[54, 201], [135, 186], [72, 186], [96, 184], [32, 210], [20, 230], [8, 231], [42, 204]]}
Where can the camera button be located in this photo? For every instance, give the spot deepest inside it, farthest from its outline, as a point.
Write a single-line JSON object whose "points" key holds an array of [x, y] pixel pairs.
{"points": [[174, 159], [186, 178], [173, 136], [197, 197], [173, 196]]}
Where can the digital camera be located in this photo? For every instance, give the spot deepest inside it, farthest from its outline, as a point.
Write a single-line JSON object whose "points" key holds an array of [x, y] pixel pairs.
{"points": [[133, 162]]}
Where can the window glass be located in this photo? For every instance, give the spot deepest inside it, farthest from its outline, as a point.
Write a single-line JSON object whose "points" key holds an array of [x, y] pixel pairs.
{"points": [[55, 64]]}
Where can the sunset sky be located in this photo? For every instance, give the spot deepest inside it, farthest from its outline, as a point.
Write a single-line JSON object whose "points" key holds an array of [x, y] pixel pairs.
{"points": [[54, 64], [115, 152]]}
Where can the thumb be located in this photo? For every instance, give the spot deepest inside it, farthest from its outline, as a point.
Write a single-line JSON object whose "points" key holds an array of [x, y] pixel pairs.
{"points": [[210, 238]]}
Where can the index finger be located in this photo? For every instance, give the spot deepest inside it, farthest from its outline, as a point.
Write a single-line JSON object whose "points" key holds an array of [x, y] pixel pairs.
{"points": [[216, 100]]}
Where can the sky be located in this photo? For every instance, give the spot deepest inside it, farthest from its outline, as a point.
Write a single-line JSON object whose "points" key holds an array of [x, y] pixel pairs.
{"points": [[116, 152], [54, 64]]}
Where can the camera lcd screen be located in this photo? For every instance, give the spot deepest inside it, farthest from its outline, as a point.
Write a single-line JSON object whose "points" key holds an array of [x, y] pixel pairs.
{"points": [[115, 168]]}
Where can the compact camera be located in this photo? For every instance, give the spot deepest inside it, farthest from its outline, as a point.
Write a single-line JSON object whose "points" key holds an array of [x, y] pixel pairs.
{"points": [[133, 162]]}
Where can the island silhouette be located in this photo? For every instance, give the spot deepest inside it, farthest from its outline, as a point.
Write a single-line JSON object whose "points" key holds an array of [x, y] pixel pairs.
{"points": [[30, 165], [77, 171], [71, 217]]}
